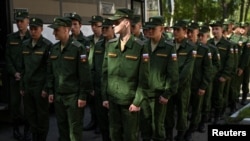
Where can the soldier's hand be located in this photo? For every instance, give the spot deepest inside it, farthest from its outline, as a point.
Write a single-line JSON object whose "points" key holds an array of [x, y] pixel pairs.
{"points": [[17, 76], [44, 94], [133, 108], [222, 79], [240, 72], [201, 92], [51, 98], [163, 100], [22, 92], [81, 103], [105, 104]]}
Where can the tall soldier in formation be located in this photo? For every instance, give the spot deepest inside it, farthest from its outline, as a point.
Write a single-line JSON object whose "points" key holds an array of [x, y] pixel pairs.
{"points": [[96, 26], [99, 51], [186, 55], [123, 79], [33, 80], [13, 66], [204, 35], [200, 80], [68, 80], [162, 80], [226, 52]]}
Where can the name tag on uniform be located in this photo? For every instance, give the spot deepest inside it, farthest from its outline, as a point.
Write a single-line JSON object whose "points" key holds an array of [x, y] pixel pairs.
{"points": [[161, 55], [98, 51], [26, 52], [38, 52], [131, 57], [14, 43], [221, 48], [182, 53], [53, 57], [199, 56], [112, 55], [69, 58]]}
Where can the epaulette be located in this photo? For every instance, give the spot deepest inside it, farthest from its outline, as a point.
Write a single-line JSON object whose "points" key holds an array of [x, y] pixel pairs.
{"points": [[85, 38], [140, 42], [113, 40], [211, 45], [27, 41], [169, 42], [204, 46], [101, 40], [47, 42], [76, 43]]}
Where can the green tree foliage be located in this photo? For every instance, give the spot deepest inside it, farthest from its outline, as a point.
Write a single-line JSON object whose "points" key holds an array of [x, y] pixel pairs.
{"points": [[205, 10]]}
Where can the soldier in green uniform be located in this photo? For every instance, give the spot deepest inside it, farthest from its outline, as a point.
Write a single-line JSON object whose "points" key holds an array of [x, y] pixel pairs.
{"points": [[136, 27], [246, 72], [33, 85], [186, 55], [100, 47], [68, 80], [162, 80], [96, 26], [76, 29], [200, 80], [204, 35], [123, 79], [224, 73], [13, 66]]}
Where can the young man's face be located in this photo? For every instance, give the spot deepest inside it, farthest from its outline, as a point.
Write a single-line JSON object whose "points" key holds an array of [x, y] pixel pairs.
{"points": [[36, 32], [179, 33], [76, 27], [217, 31], [120, 25], [61, 32], [193, 34], [107, 31], [97, 27], [22, 24], [155, 32], [203, 37], [136, 28]]}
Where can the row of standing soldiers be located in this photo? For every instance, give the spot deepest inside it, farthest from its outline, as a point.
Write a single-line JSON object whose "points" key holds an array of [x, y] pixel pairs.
{"points": [[139, 82]]}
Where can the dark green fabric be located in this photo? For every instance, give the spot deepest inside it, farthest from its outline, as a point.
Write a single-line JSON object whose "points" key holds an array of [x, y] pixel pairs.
{"points": [[123, 72], [69, 70]]}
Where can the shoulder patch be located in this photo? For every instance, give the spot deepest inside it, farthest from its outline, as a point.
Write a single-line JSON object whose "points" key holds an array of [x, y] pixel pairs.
{"points": [[113, 40], [47, 42], [140, 42], [76, 43]]}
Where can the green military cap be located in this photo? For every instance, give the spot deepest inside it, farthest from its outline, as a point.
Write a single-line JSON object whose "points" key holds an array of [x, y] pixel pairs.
{"points": [[204, 29], [155, 21], [74, 16], [60, 21], [136, 19], [107, 23], [215, 23], [180, 24], [243, 24], [95, 19], [36, 22], [122, 13], [193, 25], [21, 15], [228, 21], [200, 23]]}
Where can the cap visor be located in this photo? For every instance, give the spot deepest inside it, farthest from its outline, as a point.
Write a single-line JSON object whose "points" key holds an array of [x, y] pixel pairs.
{"points": [[19, 18], [35, 25], [53, 26], [114, 18]]}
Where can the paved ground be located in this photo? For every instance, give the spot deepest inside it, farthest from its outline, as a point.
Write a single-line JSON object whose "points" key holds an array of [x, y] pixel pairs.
{"points": [[6, 130]]}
